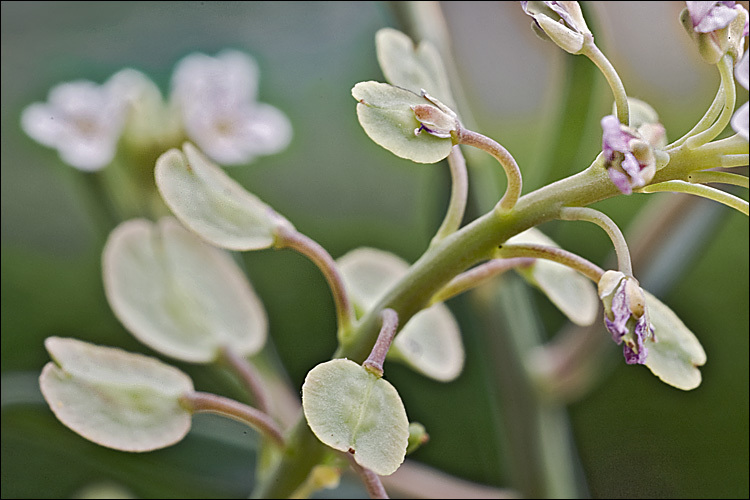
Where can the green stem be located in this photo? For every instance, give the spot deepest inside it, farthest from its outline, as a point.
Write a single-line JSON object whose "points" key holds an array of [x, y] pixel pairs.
{"points": [[506, 160], [204, 402], [287, 237], [569, 259], [474, 277], [459, 194], [459, 251], [707, 176], [614, 233], [591, 51], [708, 118], [683, 160], [699, 190], [730, 96], [738, 160]]}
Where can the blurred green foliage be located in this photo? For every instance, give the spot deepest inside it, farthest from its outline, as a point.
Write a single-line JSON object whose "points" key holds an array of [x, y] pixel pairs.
{"points": [[635, 435]]}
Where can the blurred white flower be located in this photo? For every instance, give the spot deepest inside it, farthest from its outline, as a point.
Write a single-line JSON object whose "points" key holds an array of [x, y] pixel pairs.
{"points": [[742, 115], [216, 97], [81, 119]]}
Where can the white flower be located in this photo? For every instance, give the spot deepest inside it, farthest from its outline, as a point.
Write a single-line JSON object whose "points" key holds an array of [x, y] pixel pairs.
{"points": [[81, 119], [216, 98], [742, 115]]}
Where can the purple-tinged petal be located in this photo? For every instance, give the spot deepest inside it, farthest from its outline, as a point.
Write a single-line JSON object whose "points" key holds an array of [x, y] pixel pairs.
{"points": [[643, 330], [711, 16], [740, 121], [625, 316], [620, 180], [742, 71], [626, 169]]}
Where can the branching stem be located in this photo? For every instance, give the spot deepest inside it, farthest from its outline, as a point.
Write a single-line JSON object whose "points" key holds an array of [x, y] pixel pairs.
{"points": [[204, 402], [287, 237], [506, 160], [614, 233]]}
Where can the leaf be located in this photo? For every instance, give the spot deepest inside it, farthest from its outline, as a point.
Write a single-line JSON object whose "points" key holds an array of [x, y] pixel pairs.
{"points": [[348, 408], [412, 68], [368, 273], [117, 399], [385, 113], [572, 293], [212, 204], [179, 295], [430, 342], [676, 353]]}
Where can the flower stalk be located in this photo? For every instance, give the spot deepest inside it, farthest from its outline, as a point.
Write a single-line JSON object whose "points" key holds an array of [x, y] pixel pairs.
{"points": [[204, 402], [618, 239], [506, 160], [287, 237]]}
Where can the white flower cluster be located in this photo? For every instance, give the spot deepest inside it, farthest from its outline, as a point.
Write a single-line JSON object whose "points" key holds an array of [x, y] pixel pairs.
{"points": [[214, 99]]}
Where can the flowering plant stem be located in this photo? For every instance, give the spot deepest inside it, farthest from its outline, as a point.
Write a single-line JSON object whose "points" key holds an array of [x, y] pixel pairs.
{"points": [[591, 51], [719, 177], [374, 362], [249, 376], [204, 402], [289, 238], [512, 172], [475, 242], [371, 480], [459, 194], [614, 233], [725, 66], [700, 190], [477, 276], [583, 266], [708, 118]]}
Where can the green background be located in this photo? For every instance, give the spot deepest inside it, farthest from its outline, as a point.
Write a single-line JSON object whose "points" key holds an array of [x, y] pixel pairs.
{"points": [[635, 436]]}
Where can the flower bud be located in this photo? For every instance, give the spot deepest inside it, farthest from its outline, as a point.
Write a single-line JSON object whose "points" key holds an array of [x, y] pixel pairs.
{"points": [[717, 28], [435, 118], [625, 314], [562, 22]]}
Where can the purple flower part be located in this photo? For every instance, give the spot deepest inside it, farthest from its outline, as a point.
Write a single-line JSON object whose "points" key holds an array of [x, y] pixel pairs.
{"points": [[623, 167], [711, 16], [559, 9], [617, 326], [614, 138], [620, 180], [643, 330]]}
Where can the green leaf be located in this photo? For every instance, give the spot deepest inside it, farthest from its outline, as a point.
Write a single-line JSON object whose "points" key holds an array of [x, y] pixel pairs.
{"points": [[675, 354], [212, 204], [430, 342], [385, 112], [179, 295], [412, 68], [572, 293], [117, 399], [351, 410], [368, 273]]}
